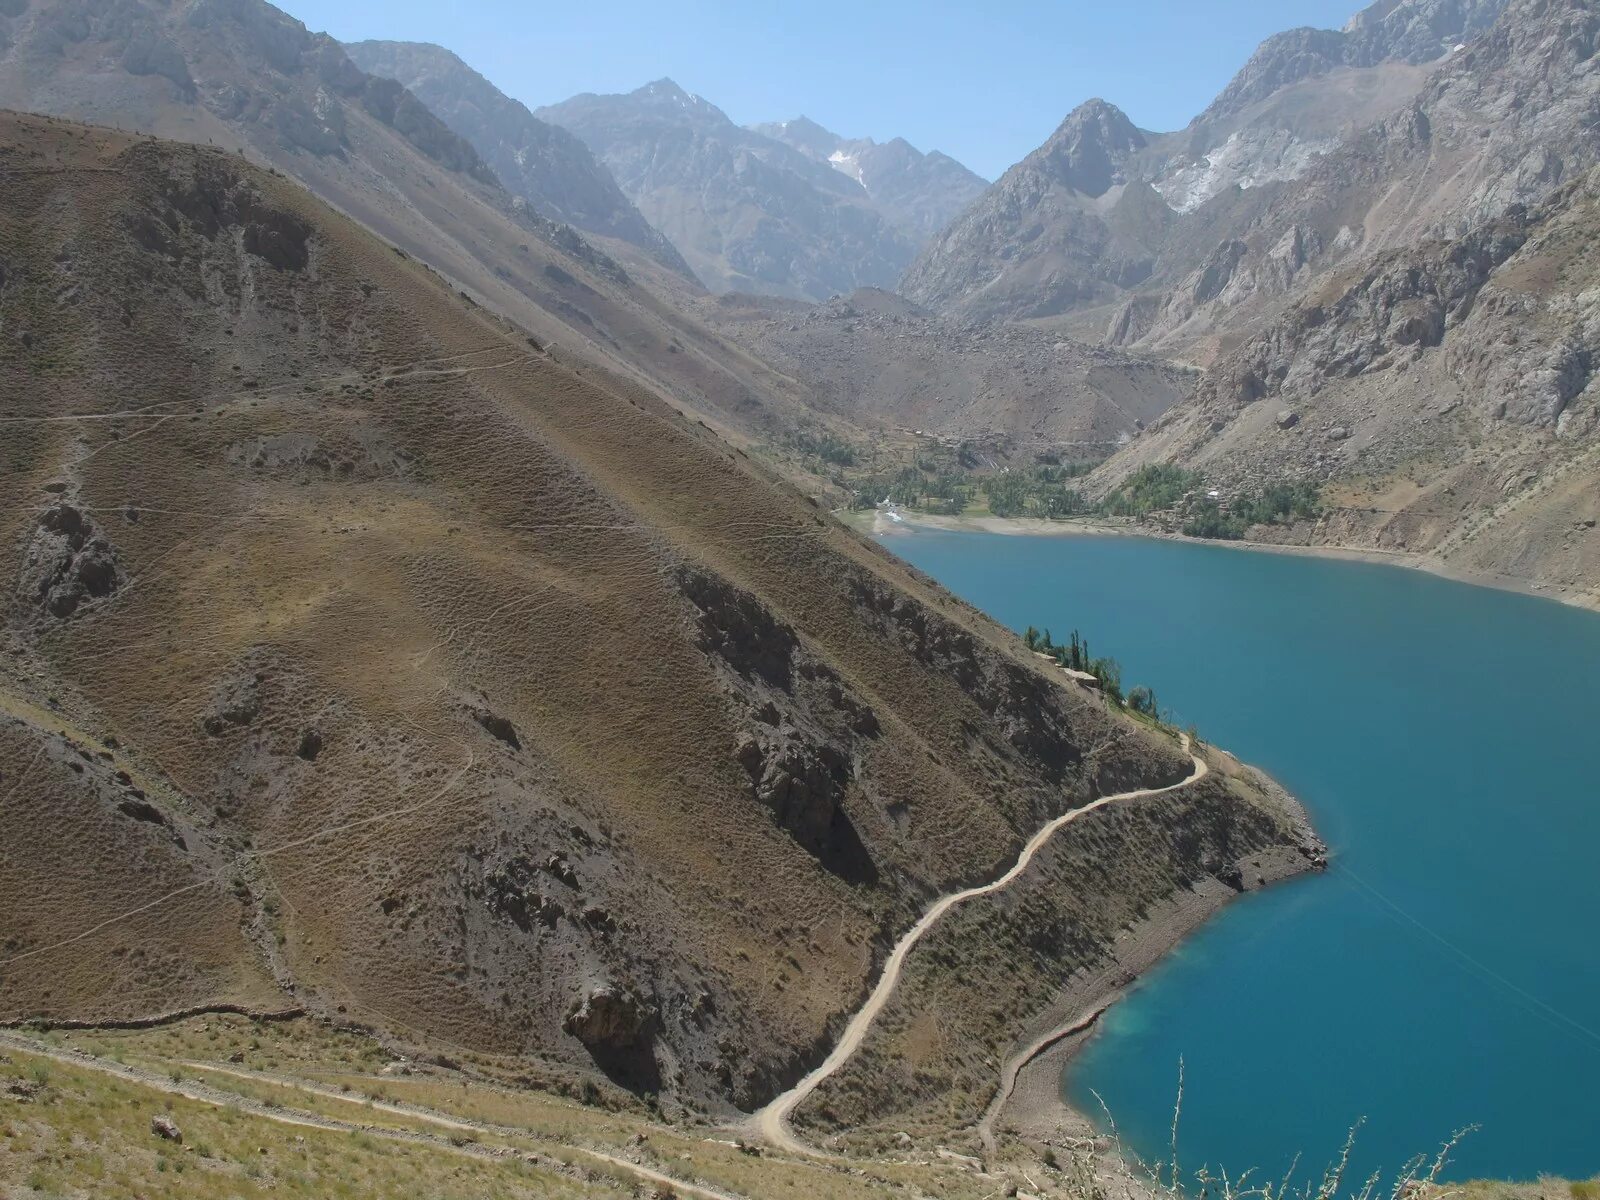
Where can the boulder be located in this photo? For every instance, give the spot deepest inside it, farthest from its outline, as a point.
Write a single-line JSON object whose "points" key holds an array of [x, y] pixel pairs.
{"points": [[69, 562], [1287, 418], [235, 703], [608, 1017], [163, 1127]]}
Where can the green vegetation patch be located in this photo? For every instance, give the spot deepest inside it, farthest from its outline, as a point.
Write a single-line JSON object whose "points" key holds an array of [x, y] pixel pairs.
{"points": [[1281, 503]]}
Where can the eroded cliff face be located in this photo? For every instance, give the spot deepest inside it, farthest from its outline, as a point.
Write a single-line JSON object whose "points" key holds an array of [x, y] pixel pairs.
{"points": [[1442, 396]]}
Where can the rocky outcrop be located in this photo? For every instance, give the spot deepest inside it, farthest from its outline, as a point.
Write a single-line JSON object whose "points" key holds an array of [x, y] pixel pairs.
{"points": [[609, 1018], [235, 703], [513, 891], [69, 563], [802, 727], [212, 200], [149, 53], [1023, 704]]}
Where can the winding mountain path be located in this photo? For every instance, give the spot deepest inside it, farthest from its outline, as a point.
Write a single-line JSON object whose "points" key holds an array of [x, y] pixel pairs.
{"points": [[772, 1122]]}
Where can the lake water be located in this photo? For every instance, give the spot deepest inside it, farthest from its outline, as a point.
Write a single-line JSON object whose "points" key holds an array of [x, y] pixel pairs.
{"points": [[1446, 738]]}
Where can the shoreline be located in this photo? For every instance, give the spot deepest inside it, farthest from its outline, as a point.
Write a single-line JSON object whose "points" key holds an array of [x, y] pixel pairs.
{"points": [[878, 523], [1029, 1103]]}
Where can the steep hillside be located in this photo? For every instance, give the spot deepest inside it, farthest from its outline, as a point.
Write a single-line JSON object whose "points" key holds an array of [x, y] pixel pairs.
{"points": [[1442, 396], [874, 355], [1389, 31], [922, 192], [1499, 124], [240, 73], [1103, 211], [362, 657], [749, 213], [546, 166]]}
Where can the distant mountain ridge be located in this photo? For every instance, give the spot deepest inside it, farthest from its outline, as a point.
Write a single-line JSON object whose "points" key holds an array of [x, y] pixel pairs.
{"points": [[923, 192], [1412, 326], [1057, 232], [746, 211], [542, 163]]}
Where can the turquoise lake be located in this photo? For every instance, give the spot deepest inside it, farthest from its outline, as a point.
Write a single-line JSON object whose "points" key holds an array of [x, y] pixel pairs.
{"points": [[1446, 738]]}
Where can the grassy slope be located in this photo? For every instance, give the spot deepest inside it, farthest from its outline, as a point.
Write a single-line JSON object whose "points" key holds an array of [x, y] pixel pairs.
{"points": [[344, 501], [80, 1130]]}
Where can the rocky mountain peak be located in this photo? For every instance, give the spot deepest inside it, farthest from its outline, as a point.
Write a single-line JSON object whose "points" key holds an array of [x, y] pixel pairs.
{"points": [[1416, 31], [1088, 149], [804, 135], [663, 97], [1406, 31]]}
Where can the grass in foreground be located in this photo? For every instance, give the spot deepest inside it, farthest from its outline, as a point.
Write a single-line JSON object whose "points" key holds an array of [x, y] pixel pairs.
{"points": [[70, 1130], [222, 1152]]}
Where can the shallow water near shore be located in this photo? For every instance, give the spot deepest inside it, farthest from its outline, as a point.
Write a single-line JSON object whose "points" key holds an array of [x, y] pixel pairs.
{"points": [[1446, 971]]}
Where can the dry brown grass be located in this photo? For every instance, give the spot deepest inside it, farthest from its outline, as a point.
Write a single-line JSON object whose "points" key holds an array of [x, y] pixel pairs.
{"points": [[344, 501], [224, 1144]]}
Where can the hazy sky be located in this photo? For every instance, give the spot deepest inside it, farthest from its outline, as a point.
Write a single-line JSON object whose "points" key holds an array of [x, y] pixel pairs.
{"points": [[984, 80]]}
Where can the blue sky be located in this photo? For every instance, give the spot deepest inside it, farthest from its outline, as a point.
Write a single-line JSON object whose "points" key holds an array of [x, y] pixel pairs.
{"points": [[985, 82]]}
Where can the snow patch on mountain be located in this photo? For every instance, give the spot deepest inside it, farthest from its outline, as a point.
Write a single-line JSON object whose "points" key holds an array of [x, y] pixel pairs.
{"points": [[849, 164], [1249, 158]]}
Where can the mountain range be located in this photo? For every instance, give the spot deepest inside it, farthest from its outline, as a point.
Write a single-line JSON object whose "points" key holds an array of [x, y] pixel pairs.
{"points": [[922, 192], [749, 212], [416, 628], [1103, 209]]}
